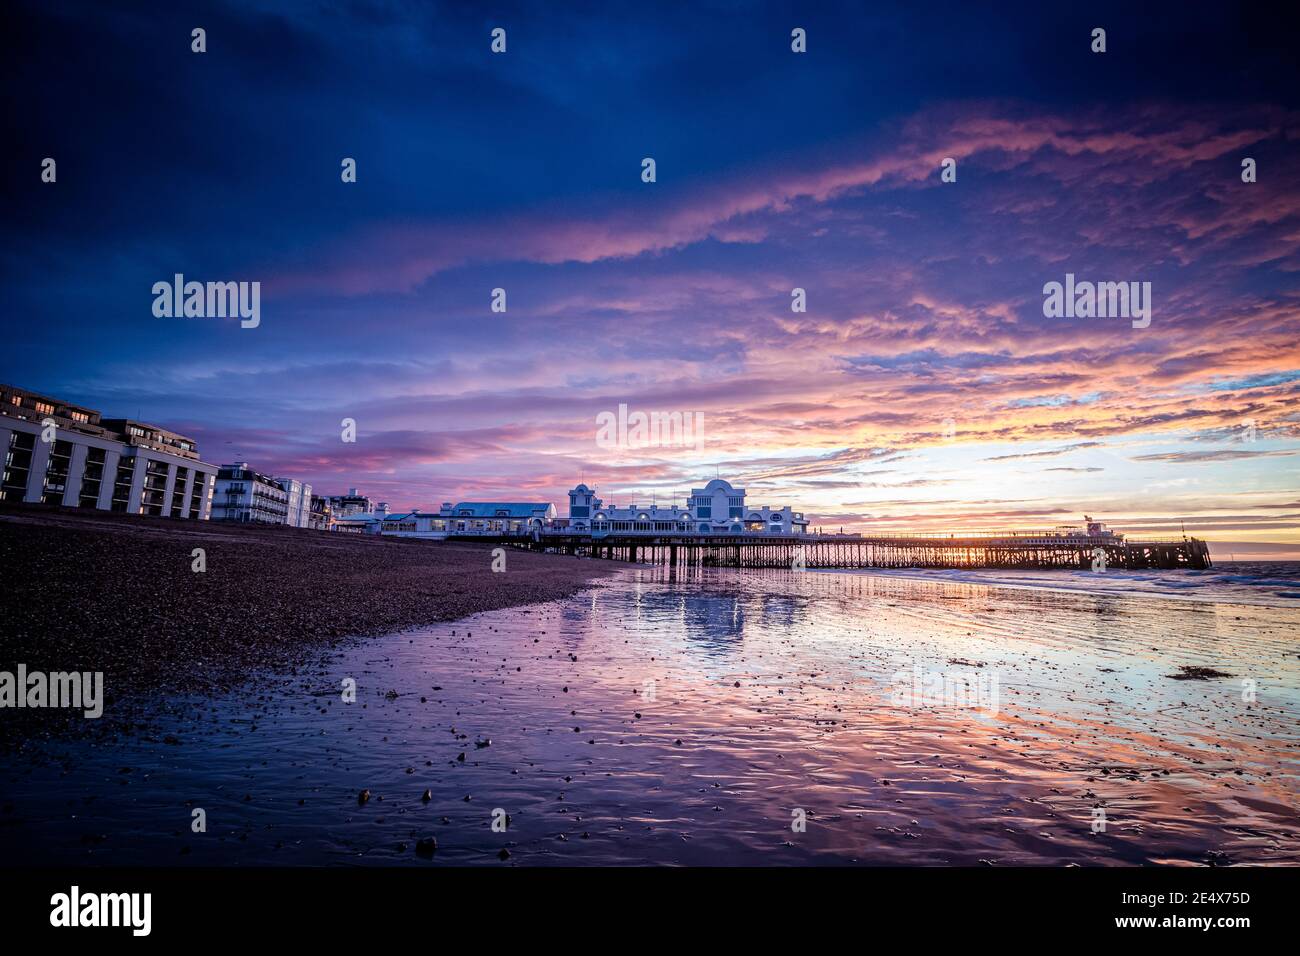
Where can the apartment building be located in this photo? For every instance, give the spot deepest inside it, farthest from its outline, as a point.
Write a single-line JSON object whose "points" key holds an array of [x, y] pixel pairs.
{"points": [[320, 517], [243, 494], [352, 503], [64, 454], [299, 504]]}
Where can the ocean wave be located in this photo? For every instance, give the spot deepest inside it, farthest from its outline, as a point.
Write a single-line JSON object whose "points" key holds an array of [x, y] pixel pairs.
{"points": [[1273, 584]]}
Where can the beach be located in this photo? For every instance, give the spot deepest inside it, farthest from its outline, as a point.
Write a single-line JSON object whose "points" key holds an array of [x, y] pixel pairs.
{"points": [[96, 591], [721, 717]]}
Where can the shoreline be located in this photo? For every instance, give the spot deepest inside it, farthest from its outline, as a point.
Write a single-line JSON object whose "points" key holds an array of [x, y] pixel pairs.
{"points": [[117, 594], [1286, 595], [677, 721], [90, 591]]}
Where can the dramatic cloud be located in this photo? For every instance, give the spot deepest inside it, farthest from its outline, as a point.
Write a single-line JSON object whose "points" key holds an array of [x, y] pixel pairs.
{"points": [[923, 365], [1206, 456], [1049, 453]]}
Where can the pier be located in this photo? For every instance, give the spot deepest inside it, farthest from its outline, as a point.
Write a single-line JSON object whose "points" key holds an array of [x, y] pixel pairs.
{"points": [[811, 551]]}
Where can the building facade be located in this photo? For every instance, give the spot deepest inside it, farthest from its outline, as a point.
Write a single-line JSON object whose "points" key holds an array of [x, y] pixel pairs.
{"points": [[341, 506], [494, 517], [69, 455], [472, 517], [363, 522], [245, 495], [299, 505], [248, 496], [320, 517], [717, 508]]}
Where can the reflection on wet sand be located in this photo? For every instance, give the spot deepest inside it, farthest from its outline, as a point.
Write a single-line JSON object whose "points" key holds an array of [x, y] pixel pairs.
{"points": [[673, 717]]}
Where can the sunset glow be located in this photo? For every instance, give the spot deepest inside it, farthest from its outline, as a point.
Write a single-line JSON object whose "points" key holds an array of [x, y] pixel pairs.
{"points": [[923, 388]]}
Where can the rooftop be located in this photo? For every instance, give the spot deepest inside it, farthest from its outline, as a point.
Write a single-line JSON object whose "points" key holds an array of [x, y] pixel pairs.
{"points": [[499, 509]]}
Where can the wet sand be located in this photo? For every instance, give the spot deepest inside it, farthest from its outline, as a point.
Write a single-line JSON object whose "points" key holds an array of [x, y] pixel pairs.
{"points": [[95, 591], [693, 718]]}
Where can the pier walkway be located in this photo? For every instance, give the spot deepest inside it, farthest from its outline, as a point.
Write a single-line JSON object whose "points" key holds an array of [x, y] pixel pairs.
{"points": [[826, 551]]}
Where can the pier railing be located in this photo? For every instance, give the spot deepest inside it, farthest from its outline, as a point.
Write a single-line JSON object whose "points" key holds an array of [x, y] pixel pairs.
{"points": [[936, 536], [874, 551]]}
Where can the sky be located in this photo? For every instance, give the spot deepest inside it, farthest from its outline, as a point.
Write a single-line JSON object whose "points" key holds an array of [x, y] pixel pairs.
{"points": [[924, 387]]}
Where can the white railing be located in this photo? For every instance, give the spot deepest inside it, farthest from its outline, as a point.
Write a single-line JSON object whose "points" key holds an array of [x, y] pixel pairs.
{"points": [[1012, 538]]}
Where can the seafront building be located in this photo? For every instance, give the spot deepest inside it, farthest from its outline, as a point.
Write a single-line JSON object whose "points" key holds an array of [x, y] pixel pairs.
{"points": [[353, 503], [473, 517], [299, 505], [320, 517], [496, 517], [362, 522], [248, 496], [717, 508], [130, 466], [63, 454]]}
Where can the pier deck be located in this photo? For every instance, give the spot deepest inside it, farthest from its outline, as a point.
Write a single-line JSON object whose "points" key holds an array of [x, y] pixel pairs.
{"points": [[854, 551]]}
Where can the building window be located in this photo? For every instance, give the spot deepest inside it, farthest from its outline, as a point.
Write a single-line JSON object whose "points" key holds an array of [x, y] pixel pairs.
{"points": [[178, 492], [196, 498], [18, 463], [122, 484], [92, 478], [56, 473], [153, 495]]}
